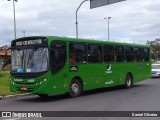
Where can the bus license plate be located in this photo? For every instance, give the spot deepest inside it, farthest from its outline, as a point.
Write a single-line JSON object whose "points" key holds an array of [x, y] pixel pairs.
{"points": [[24, 88]]}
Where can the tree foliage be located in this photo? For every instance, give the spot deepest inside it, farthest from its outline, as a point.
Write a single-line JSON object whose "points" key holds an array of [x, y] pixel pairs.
{"points": [[155, 48]]}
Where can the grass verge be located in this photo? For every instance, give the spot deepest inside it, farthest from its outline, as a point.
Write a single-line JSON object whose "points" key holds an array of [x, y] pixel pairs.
{"points": [[5, 85]]}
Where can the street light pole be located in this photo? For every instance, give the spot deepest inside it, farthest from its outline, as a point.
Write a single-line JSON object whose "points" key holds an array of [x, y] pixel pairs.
{"points": [[77, 17], [108, 27], [14, 15], [24, 32]]}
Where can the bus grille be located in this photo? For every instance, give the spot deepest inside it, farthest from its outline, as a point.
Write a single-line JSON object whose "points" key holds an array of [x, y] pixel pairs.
{"points": [[20, 83]]}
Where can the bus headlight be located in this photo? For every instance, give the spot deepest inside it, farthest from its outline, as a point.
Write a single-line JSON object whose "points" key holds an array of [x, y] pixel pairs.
{"points": [[41, 82], [45, 79]]}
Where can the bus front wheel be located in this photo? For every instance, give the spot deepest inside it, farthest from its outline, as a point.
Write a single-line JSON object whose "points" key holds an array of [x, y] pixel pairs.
{"points": [[128, 81], [75, 88]]}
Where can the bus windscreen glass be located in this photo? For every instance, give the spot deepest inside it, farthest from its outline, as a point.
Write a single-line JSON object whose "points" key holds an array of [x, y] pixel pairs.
{"points": [[30, 60]]}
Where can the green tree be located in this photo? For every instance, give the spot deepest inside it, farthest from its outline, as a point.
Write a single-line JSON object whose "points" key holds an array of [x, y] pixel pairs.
{"points": [[155, 48]]}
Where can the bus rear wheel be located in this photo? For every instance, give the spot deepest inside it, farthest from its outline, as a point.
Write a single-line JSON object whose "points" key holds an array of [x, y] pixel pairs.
{"points": [[75, 88], [128, 81]]}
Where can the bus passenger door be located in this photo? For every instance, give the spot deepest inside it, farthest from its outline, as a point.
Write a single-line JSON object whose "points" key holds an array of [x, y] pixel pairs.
{"points": [[58, 60]]}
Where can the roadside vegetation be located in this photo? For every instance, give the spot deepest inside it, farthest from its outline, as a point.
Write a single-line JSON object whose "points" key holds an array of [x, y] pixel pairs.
{"points": [[4, 82], [155, 49]]}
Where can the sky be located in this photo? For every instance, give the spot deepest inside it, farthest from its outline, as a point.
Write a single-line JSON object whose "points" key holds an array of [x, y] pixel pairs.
{"points": [[132, 21]]}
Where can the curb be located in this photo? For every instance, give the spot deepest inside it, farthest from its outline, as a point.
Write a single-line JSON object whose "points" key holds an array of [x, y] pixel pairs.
{"points": [[13, 96]]}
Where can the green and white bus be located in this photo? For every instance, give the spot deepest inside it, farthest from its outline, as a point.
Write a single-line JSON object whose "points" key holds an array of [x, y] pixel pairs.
{"points": [[56, 65]]}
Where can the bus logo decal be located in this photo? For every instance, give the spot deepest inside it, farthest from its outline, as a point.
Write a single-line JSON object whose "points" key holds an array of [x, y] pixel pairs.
{"points": [[108, 69], [109, 82]]}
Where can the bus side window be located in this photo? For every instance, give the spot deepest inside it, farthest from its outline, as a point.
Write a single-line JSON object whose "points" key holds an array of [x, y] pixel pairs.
{"points": [[72, 58], [94, 53], [145, 54], [129, 54], [119, 52], [77, 53], [108, 51], [137, 54]]}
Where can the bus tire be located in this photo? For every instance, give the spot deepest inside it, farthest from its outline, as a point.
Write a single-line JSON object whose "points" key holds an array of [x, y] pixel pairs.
{"points": [[128, 81], [43, 95], [75, 88]]}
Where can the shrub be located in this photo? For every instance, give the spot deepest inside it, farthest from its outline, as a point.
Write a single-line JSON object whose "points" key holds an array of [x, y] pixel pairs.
{"points": [[2, 74]]}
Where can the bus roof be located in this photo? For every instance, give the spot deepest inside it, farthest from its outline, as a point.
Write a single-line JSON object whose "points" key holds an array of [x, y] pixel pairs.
{"points": [[69, 39], [50, 38]]}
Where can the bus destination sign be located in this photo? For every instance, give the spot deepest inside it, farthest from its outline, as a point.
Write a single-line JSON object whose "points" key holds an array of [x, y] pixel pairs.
{"points": [[26, 42], [29, 42]]}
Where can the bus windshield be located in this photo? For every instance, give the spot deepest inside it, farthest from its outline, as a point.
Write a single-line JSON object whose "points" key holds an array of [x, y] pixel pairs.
{"points": [[30, 60]]}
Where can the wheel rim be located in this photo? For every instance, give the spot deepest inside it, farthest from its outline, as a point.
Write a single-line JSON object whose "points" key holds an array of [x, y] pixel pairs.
{"points": [[128, 82], [75, 88]]}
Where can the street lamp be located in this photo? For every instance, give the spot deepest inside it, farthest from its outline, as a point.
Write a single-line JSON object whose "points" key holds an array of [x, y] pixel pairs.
{"points": [[77, 17], [14, 17], [108, 27], [24, 32]]}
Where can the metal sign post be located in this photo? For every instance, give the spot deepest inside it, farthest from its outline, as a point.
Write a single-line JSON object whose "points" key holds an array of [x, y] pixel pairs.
{"points": [[77, 17], [94, 4]]}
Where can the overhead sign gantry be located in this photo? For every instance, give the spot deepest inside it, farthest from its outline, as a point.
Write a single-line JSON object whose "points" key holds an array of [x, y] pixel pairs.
{"points": [[99, 3]]}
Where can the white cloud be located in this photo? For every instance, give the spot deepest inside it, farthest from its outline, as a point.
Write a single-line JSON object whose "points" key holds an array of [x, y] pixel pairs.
{"points": [[132, 20]]}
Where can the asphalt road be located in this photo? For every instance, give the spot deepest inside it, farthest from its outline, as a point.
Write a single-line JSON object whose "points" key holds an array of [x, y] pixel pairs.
{"points": [[143, 96]]}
